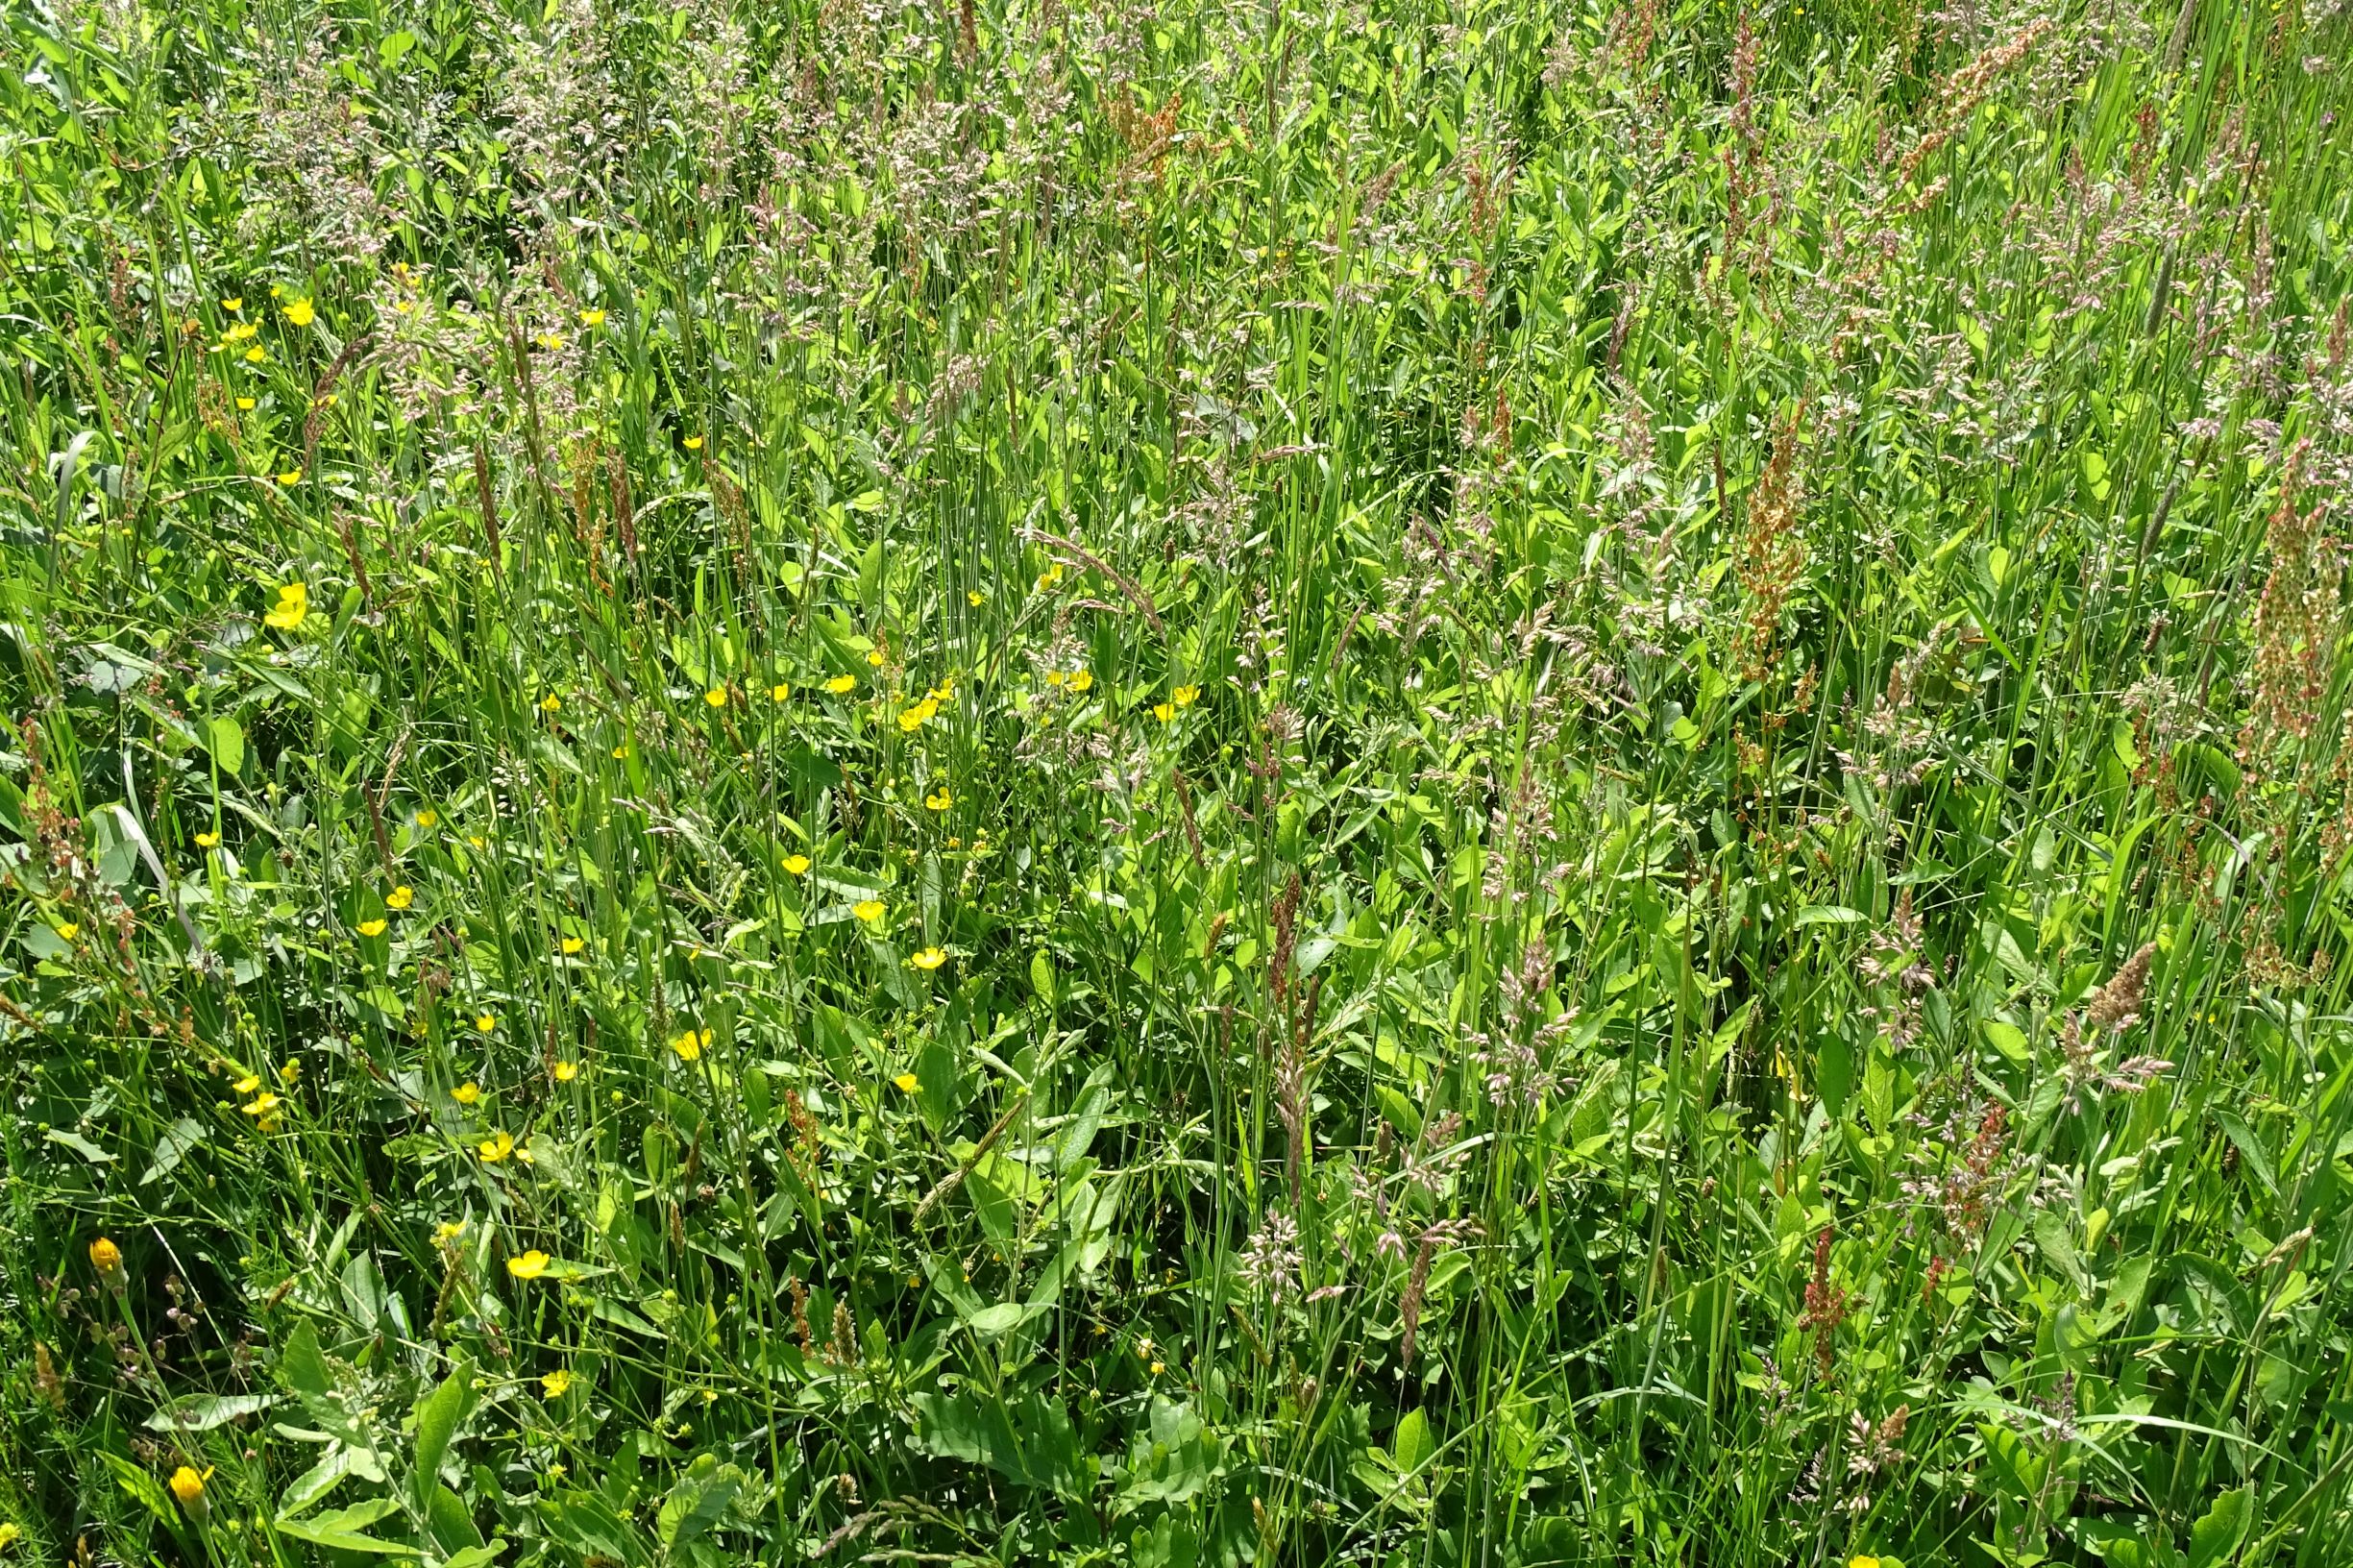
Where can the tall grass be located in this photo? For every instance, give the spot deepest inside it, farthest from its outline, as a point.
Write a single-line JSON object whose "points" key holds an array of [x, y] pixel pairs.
{"points": [[1406, 784]]}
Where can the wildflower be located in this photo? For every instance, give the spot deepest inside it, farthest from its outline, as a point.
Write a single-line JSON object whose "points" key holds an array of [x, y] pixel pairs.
{"points": [[549, 341], [256, 354], [247, 1084], [914, 719], [571, 944], [106, 1256], [621, 754], [188, 1487], [1081, 679], [976, 598], [567, 1072], [232, 307], [557, 1383], [239, 332], [371, 928], [1055, 678], [293, 598], [939, 799], [68, 930], [449, 1230], [496, 1147], [428, 818], [693, 442], [689, 1046], [930, 958], [299, 312], [208, 841], [1186, 696], [797, 865], [1164, 712], [1051, 576], [288, 476], [400, 897], [530, 1266], [717, 697], [467, 1092], [289, 1069], [592, 318], [550, 703], [868, 910], [485, 1021], [245, 405], [842, 683], [905, 1083], [1862, 1561], [260, 1105], [780, 691]]}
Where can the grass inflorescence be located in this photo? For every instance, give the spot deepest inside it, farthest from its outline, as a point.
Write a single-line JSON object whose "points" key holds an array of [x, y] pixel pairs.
{"points": [[1410, 784]]}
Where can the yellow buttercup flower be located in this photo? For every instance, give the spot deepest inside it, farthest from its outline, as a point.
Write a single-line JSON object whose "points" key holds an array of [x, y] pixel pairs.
{"points": [[557, 1383], [868, 910], [485, 1021], [592, 318], [299, 312], [256, 354], [239, 332], [496, 1147], [905, 1082], [571, 944], [371, 928], [289, 1069], [1055, 678], [428, 818], [232, 307], [1186, 696], [449, 1230], [689, 1046], [245, 405], [916, 718], [1081, 679], [288, 476], [976, 598], [246, 1085], [1862, 1561], [260, 1105], [842, 683], [930, 958], [550, 703], [68, 930], [293, 602], [105, 1255], [875, 657], [797, 865], [549, 341], [528, 1266], [1051, 576], [717, 697], [1164, 712], [188, 1485], [939, 799], [400, 897], [567, 1072], [693, 442], [208, 841], [466, 1093], [780, 691]]}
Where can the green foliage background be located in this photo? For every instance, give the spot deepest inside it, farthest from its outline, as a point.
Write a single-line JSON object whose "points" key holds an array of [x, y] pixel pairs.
{"points": [[1400, 783]]}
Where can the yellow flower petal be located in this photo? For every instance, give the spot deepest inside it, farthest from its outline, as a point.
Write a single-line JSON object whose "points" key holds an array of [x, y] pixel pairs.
{"points": [[905, 1082], [528, 1266], [868, 910], [371, 928]]}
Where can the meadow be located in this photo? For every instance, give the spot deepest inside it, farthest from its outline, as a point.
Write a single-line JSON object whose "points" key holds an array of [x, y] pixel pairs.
{"points": [[1402, 783]]}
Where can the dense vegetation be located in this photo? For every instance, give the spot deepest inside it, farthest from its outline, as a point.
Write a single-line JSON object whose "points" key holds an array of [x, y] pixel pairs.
{"points": [[1402, 783]]}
